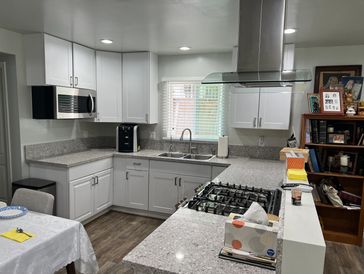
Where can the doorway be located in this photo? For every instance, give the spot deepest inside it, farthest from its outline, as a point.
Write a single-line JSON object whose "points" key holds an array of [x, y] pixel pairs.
{"points": [[5, 156]]}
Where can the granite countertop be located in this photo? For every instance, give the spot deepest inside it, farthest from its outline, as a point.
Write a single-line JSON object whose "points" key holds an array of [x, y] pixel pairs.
{"points": [[187, 242], [75, 159]]}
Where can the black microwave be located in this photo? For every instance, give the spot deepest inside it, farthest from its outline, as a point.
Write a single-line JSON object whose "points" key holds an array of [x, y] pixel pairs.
{"points": [[53, 102]]}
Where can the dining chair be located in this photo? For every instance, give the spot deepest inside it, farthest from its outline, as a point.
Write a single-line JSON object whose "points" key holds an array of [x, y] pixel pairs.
{"points": [[34, 200]]}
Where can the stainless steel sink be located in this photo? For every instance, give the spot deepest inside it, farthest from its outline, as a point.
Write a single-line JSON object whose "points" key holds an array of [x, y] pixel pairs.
{"points": [[202, 157], [172, 154]]}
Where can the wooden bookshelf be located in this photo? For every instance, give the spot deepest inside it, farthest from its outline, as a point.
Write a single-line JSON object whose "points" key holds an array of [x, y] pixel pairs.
{"points": [[339, 224]]}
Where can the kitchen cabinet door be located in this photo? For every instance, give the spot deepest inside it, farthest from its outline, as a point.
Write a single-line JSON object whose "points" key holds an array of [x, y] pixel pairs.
{"points": [[109, 86], [188, 184], [275, 108], [84, 67], [136, 189], [81, 198], [48, 60], [140, 94], [103, 191], [163, 192], [244, 103]]}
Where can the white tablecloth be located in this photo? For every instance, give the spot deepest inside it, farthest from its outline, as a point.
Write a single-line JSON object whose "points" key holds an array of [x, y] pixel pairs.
{"points": [[58, 242]]}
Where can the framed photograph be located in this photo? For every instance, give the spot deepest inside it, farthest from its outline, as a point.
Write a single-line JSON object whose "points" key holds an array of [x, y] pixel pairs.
{"points": [[336, 138], [332, 163], [353, 86], [326, 76], [332, 101], [313, 100]]}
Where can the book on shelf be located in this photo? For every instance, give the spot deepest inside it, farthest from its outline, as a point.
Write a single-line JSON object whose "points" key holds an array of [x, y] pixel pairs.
{"points": [[322, 131], [315, 195], [314, 161], [361, 140], [314, 132]]}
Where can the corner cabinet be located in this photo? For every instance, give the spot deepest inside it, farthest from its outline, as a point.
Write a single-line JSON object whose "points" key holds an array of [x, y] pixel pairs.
{"points": [[109, 87], [54, 61], [261, 108], [140, 88]]}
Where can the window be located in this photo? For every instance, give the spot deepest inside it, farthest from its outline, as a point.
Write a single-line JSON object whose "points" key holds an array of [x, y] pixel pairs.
{"points": [[189, 104]]}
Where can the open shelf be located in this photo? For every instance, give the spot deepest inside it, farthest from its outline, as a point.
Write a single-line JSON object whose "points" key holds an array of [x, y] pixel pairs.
{"points": [[334, 174], [339, 224], [338, 146]]}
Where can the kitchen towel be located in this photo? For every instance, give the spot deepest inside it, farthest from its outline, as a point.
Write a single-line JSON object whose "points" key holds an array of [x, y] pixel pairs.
{"points": [[223, 147], [16, 236]]}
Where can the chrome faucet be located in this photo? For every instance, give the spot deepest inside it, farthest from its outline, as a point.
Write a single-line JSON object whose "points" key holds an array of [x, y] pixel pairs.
{"points": [[181, 139]]}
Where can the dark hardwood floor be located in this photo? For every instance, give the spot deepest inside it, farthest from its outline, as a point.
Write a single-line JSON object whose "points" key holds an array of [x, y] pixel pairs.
{"points": [[114, 234]]}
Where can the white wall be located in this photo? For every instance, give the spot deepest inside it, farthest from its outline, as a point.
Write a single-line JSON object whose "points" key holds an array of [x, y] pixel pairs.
{"points": [[24, 129]]}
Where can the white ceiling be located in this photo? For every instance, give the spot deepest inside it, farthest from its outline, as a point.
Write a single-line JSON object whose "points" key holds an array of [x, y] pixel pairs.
{"points": [[163, 26]]}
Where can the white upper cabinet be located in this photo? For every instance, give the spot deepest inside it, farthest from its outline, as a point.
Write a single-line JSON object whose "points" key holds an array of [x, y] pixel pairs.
{"points": [[84, 67], [48, 60], [261, 108], [244, 108], [109, 86], [275, 108], [54, 61], [140, 88]]}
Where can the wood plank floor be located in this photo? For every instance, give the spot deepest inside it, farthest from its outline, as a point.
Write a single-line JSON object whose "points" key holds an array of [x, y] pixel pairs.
{"points": [[114, 234]]}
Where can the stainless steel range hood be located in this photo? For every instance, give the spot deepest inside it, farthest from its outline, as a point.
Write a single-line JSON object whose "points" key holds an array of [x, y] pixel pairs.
{"points": [[260, 48]]}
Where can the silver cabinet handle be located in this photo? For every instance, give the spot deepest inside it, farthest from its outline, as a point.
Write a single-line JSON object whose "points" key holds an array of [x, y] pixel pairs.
{"points": [[127, 175], [179, 181], [71, 81], [137, 164], [260, 122], [255, 122], [97, 180], [175, 181], [93, 181], [76, 81]]}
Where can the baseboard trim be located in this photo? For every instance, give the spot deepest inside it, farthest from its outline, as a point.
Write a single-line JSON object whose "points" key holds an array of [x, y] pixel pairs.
{"points": [[140, 212]]}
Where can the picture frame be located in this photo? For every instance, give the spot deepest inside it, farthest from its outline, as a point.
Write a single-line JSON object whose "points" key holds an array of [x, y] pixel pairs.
{"points": [[313, 100], [332, 101], [333, 165], [336, 138], [325, 76]]}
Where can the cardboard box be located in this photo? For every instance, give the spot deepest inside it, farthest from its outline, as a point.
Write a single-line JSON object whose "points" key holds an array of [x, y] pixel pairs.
{"points": [[258, 239], [304, 152]]}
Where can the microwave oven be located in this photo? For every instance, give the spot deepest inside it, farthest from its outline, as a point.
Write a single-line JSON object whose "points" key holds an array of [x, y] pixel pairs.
{"points": [[53, 102]]}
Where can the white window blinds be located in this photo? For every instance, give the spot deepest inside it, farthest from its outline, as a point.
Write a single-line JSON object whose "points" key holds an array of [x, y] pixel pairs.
{"points": [[188, 104]]}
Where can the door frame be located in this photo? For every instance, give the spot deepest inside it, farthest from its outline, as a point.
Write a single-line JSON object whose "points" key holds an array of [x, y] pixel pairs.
{"points": [[4, 91]]}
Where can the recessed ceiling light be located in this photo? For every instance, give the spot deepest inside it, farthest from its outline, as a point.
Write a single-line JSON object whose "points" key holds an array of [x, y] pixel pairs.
{"points": [[106, 41], [184, 48], [289, 31]]}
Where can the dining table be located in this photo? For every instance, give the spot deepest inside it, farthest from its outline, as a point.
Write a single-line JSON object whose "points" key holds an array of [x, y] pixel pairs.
{"points": [[57, 243]]}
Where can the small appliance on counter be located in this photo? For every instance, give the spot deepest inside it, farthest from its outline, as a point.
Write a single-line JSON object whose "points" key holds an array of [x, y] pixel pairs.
{"points": [[127, 138], [223, 147]]}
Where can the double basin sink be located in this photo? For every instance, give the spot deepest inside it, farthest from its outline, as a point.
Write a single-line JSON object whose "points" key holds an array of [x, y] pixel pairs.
{"points": [[180, 155]]}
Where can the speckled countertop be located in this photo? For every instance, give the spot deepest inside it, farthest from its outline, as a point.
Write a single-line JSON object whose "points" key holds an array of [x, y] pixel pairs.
{"points": [[187, 242]]}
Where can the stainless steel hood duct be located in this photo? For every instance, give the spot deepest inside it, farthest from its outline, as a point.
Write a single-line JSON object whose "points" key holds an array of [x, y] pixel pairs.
{"points": [[260, 48]]}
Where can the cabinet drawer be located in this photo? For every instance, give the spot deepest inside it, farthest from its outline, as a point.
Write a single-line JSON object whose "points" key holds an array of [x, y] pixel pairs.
{"points": [[181, 168], [89, 168], [136, 164]]}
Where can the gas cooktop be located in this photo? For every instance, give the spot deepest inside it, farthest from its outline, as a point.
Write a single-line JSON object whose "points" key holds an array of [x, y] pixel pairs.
{"points": [[223, 199]]}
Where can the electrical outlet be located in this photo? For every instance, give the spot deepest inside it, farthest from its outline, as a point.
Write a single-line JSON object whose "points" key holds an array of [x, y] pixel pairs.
{"points": [[261, 142]]}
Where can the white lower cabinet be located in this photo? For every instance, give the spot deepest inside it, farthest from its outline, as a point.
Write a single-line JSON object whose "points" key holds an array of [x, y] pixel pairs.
{"points": [[170, 182], [131, 183], [90, 195], [163, 192], [136, 189]]}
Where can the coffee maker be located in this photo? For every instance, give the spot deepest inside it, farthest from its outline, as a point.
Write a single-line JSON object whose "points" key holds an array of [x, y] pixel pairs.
{"points": [[127, 138]]}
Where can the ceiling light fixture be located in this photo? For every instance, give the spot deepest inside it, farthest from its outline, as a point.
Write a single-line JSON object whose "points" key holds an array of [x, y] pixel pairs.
{"points": [[184, 48], [289, 31], [106, 41]]}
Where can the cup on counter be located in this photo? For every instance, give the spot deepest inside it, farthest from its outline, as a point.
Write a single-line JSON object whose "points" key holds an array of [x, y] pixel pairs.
{"points": [[296, 195]]}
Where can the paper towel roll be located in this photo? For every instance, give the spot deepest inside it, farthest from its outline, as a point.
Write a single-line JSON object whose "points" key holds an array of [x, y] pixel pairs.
{"points": [[223, 147]]}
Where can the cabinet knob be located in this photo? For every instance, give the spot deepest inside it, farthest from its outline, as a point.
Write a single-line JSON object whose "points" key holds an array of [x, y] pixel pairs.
{"points": [[260, 122], [255, 122], [71, 81], [127, 175], [179, 181]]}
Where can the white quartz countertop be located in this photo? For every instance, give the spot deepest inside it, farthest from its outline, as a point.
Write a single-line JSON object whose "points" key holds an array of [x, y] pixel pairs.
{"points": [[187, 242]]}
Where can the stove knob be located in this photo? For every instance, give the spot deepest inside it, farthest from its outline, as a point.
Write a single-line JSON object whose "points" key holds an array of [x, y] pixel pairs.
{"points": [[227, 184], [220, 183], [253, 189], [233, 185], [206, 209]]}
